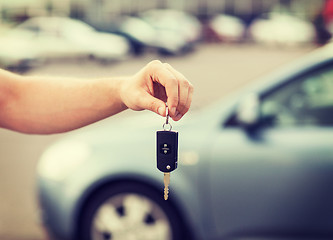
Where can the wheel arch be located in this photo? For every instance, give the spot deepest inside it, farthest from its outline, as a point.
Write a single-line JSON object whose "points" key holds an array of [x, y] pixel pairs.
{"points": [[154, 185]]}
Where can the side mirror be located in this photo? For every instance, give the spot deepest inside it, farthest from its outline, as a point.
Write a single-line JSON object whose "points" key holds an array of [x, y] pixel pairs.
{"points": [[248, 111]]}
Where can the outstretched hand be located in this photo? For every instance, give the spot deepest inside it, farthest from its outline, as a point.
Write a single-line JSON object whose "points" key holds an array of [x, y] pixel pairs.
{"points": [[45, 105], [153, 86]]}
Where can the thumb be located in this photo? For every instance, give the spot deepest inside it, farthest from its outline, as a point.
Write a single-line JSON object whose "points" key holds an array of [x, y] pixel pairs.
{"points": [[153, 104]]}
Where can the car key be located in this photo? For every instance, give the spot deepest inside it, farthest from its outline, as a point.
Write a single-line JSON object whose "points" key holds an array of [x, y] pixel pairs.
{"points": [[167, 152]]}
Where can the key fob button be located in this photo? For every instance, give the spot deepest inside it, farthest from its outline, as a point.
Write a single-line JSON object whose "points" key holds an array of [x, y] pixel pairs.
{"points": [[165, 148]]}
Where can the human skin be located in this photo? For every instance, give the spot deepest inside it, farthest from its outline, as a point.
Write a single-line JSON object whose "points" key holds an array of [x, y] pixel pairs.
{"points": [[47, 105]]}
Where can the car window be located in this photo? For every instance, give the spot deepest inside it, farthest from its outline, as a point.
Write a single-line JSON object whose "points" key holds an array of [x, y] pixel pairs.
{"points": [[305, 101]]}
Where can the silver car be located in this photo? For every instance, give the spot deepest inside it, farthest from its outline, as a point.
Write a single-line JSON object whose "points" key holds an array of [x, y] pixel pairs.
{"points": [[256, 165], [44, 38]]}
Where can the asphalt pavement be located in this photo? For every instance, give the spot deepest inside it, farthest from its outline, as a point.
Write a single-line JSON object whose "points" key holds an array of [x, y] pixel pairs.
{"points": [[215, 70]]}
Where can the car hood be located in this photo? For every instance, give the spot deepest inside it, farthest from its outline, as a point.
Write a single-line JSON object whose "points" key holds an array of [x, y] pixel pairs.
{"points": [[121, 128]]}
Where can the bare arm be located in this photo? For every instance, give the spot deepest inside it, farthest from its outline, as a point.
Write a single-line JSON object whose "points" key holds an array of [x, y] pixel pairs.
{"points": [[53, 105]]}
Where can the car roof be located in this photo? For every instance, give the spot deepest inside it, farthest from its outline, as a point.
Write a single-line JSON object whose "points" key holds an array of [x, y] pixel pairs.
{"points": [[51, 22]]}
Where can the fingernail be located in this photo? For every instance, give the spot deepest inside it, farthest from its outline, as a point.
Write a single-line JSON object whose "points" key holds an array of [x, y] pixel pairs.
{"points": [[173, 111], [160, 111], [178, 116]]}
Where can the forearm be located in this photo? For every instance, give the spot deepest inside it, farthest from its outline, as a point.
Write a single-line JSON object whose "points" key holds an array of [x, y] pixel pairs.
{"points": [[53, 105]]}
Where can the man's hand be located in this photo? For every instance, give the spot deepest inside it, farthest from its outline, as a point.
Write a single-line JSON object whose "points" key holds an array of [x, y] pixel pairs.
{"points": [[44, 105], [154, 85]]}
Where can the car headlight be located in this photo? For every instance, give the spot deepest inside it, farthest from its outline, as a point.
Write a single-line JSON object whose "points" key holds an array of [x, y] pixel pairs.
{"points": [[62, 158]]}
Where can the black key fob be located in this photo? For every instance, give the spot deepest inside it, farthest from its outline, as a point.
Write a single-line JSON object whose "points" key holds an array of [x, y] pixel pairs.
{"points": [[167, 150]]}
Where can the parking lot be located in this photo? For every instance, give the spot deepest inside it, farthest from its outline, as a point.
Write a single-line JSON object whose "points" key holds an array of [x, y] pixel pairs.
{"points": [[215, 70]]}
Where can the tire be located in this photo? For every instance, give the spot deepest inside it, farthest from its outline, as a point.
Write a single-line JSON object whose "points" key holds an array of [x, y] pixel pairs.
{"points": [[129, 210]]}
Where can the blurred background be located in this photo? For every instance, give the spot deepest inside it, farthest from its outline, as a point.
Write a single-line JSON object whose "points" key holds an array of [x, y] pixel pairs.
{"points": [[219, 45]]}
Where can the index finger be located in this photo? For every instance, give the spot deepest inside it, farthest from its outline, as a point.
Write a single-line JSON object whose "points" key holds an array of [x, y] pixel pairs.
{"points": [[161, 74], [185, 91]]}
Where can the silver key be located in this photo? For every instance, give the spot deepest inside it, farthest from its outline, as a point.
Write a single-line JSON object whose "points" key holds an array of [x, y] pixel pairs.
{"points": [[166, 185]]}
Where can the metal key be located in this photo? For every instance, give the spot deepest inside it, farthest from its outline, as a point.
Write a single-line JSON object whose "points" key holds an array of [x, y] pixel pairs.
{"points": [[166, 185], [167, 153]]}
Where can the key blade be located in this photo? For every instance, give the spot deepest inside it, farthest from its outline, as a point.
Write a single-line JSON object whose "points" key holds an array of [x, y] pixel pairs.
{"points": [[166, 178], [166, 193], [166, 185]]}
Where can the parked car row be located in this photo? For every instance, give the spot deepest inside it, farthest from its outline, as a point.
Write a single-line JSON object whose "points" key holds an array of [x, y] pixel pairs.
{"points": [[39, 39], [269, 29], [165, 31]]}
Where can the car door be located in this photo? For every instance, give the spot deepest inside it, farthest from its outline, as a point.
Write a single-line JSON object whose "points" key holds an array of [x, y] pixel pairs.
{"points": [[278, 179]]}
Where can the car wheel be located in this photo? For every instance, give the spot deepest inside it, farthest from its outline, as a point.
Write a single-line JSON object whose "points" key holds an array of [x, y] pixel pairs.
{"points": [[130, 211]]}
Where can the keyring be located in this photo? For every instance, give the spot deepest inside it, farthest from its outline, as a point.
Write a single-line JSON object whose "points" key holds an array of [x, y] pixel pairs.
{"points": [[167, 120], [167, 124]]}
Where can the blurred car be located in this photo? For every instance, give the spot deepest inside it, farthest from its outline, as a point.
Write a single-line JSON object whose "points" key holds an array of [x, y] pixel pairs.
{"points": [[139, 33], [177, 29], [227, 28], [44, 38], [282, 30], [255, 165], [167, 31]]}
